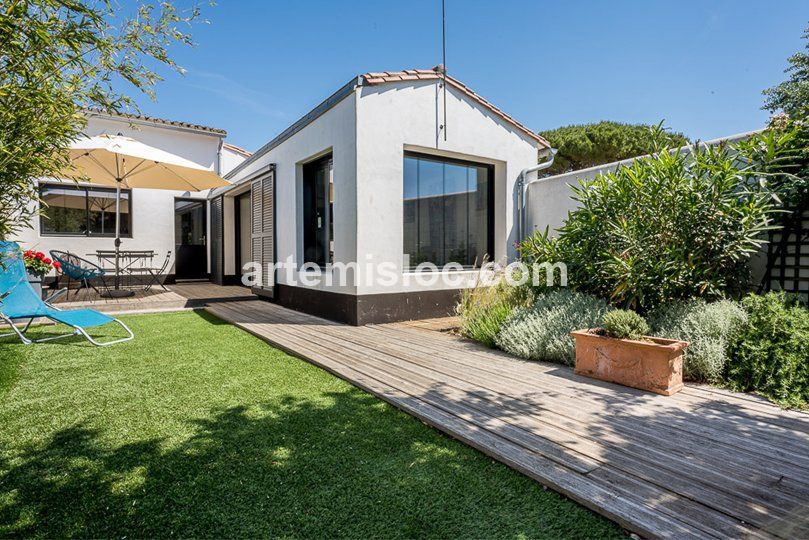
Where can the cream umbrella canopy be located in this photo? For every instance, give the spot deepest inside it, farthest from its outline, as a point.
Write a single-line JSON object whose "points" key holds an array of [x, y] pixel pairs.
{"points": [[115, 160]]}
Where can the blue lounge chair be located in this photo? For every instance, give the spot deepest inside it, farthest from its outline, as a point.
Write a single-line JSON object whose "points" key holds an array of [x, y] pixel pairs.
{"points": [[18, 301]]}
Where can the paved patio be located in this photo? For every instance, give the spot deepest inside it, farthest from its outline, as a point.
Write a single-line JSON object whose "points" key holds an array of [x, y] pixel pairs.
{"points": [[187, 295], [702, 463]]}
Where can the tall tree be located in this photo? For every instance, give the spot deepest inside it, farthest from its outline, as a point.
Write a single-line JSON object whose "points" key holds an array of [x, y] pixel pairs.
{"points": [[588, 145], [59, 57], [792, 95]]}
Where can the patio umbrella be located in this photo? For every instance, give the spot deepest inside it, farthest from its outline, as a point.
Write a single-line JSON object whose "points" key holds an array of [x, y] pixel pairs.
{"points": [[115, 160]]}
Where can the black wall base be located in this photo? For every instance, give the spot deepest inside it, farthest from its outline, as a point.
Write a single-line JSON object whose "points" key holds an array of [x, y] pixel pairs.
{"points": [[369, 308]]}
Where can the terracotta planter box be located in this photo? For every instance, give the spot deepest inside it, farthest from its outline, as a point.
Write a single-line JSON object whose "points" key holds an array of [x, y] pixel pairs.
{"points": [[656, 365]]}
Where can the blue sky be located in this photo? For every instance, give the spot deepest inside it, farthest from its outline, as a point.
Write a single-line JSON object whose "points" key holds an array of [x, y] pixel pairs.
{"points": [[700, 65]]}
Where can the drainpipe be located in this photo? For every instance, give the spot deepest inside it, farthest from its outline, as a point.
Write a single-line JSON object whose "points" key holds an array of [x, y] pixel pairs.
{"points": [[522, 188], [218, 169]]}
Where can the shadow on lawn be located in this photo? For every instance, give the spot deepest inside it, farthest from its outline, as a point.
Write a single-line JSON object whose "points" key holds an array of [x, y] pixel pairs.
{"points": [[291, 467]]}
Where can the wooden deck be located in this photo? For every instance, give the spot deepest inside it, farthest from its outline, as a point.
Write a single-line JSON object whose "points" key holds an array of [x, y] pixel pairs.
{"points": [[188, 295], [702, 463]]}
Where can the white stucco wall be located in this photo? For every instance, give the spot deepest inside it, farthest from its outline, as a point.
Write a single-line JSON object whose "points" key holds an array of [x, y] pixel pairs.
{"points": [[396, 117], [334, 131], [229, 160], [368, 133], [152, 210], [548, 200]]}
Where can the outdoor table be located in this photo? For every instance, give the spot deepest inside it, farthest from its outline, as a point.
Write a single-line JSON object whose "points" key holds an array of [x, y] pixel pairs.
{"points": [[132, 261]]}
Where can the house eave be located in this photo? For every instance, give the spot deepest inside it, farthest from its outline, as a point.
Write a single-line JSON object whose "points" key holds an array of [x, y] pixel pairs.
{"points": [[346, 90]]}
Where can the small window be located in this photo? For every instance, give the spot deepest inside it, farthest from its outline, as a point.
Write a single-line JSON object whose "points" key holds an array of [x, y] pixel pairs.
{"points": [[83, 211], [447, 211]]}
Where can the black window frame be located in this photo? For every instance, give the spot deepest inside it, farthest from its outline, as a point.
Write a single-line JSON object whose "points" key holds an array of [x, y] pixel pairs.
{"points": [[490, 206], [308, 238], [87, 233]]}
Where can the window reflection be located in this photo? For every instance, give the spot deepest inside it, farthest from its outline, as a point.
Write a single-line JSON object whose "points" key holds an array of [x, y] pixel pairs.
{"points": [[446, 211], [74, 210]]}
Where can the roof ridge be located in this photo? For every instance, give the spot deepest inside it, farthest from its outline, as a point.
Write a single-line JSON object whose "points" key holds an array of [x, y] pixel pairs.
{"points": [[155, 120], [382, 77]]}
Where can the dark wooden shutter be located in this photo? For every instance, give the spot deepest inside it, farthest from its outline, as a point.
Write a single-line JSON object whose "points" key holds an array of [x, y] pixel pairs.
{"points": [[263, 224], [217, 241]]}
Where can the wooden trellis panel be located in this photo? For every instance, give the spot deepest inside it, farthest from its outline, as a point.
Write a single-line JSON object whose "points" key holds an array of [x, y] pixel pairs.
{"points": [[788, 257]]}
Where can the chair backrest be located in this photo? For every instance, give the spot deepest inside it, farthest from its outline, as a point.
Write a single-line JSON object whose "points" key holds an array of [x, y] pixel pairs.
{"points": [[16, 294], [165, 263], [74, 266]]}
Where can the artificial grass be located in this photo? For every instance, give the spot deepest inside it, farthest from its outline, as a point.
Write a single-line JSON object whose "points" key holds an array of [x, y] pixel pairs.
{"points": [[197, 429]]}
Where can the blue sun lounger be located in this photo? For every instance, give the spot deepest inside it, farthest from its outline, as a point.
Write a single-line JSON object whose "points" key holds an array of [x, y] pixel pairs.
{"points": [[19, 301]]}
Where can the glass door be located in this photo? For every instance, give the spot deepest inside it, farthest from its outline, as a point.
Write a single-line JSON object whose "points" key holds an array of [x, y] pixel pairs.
{"points": [[190, 225], [318, 197]]}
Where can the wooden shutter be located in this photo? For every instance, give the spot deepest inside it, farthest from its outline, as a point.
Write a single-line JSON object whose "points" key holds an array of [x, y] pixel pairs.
{"points": [[262, 199], [217, 241]]}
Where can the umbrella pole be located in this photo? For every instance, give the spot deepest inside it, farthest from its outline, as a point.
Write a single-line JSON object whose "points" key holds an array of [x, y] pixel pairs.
{"points": [[117, 292], [117, 233]]}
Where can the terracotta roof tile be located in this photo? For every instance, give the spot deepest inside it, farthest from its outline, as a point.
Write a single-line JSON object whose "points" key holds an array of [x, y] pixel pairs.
{"points": [[237, 149], [435, 73], [155, 120]]}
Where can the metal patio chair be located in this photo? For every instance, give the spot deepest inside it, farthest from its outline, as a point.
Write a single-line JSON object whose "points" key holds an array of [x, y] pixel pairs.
{"points": [[155, 273], [18, 301], [78, 269]]}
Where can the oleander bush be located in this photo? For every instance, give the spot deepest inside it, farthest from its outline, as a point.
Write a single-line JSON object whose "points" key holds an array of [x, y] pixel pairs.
{"points": [[666, 228], [708, 327], [542, 330], [625, 324], [483, 309], [770, 354]]}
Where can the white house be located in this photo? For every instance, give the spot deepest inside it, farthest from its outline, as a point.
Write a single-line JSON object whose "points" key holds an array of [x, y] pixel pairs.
{"points": [[81, 218], [390, 171]]}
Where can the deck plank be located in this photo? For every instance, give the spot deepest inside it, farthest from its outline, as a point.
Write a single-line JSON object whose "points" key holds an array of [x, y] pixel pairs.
{"points": [[708, 464]]}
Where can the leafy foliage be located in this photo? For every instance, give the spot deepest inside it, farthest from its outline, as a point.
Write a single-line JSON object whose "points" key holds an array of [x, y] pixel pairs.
{"points": [[664, 228], [542, 331], [57, 58], [771, 353], [782, 155], [483, 310], [708, 327], [588, 145], [625, 324], [792, 95]]}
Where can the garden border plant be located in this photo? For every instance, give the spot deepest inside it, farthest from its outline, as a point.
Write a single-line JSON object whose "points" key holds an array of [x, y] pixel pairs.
{"points": [[676, 225]]}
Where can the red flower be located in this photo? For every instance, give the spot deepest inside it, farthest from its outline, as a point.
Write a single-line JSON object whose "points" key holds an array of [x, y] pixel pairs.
{"points": [[56, 265], [47, 260], [40, 255]]}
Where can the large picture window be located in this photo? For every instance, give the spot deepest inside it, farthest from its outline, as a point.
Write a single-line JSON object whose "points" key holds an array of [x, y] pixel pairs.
{"points": [[83, 211], [447, 210]]}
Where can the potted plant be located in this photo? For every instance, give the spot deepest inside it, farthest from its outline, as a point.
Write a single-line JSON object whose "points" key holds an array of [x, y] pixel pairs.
{"points": [[621, 352], [37, 265]]}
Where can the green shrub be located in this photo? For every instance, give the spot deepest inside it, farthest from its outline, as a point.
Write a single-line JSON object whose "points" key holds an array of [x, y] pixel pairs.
{"points": [[541, 331], [665, 228], [708, 327], [770, 355], [483, 309], [587, 145], [625, 324]]}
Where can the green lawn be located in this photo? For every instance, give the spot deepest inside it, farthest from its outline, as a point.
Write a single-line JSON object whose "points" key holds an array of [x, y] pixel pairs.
{"points": [[199, 429]]}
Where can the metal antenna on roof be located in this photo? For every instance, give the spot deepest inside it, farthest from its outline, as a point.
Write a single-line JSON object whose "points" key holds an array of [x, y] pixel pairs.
{"points": [[444, 60]]}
